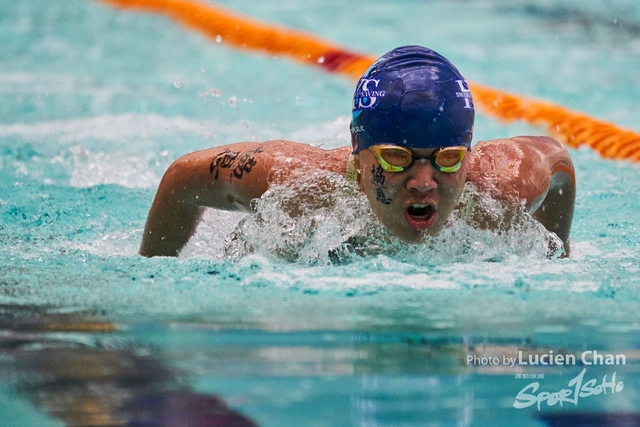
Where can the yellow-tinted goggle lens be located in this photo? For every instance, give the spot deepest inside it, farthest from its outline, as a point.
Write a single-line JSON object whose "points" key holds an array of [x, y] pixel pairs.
{"points": [[449, 159], [397, 159], [393, 159]]}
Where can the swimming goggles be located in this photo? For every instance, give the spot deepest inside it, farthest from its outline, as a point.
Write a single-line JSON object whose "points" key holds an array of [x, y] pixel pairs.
{"points": [[393, 158]]}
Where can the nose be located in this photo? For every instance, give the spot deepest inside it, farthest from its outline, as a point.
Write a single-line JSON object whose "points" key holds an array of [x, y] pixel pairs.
{"points": [[421, 177]]}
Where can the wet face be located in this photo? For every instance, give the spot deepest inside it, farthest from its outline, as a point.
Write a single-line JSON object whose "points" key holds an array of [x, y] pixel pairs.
{"points": [[414, 203]]}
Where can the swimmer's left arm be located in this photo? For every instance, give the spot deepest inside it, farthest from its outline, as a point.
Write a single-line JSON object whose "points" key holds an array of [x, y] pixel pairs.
{"points": [[534, 170], [553, 200]]}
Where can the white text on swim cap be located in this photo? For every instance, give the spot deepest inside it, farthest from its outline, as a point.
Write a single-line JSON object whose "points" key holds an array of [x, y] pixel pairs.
{"points": [[365, 98], [465, 94]]}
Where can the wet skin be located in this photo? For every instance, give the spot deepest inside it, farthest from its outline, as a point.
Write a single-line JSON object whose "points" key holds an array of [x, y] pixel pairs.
{"points": [[531, 172]]}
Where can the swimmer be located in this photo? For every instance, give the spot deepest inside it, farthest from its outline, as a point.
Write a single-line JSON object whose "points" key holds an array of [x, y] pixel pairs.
{"points": [[411, 155]]}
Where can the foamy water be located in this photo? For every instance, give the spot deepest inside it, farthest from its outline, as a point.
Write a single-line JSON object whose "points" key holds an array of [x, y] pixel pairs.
{"points": [[303, 312]]}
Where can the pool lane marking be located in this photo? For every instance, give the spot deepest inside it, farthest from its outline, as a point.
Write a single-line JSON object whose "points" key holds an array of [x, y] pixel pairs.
{"points": [[572, 128]]}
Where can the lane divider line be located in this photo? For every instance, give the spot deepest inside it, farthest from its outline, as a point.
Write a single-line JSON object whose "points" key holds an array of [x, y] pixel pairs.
{"points": [[572, 128]]}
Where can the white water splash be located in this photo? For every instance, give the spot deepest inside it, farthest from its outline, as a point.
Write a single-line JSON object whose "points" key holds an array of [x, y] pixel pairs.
{"points": [[322, 219], [91, 169]]}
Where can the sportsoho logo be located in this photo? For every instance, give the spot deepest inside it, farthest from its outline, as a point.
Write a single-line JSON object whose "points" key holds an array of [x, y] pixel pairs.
{"points": [[366, 96]]}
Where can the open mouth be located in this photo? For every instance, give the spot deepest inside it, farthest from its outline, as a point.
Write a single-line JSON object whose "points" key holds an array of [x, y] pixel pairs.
{"points": [[418, 210], [420, 216]]}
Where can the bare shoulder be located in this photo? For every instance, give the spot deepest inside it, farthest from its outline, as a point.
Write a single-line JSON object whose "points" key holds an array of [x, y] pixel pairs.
{"points": [[230, 176], [291, 160], [510, 155], [507, 152], [514, 167], [270, 161]]}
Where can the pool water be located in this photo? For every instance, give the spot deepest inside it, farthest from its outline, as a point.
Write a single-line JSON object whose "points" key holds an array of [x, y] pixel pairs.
{"points": [[257, 323]]}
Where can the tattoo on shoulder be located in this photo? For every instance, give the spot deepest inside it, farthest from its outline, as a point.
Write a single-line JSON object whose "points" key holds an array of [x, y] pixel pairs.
{"points": [[238, 162]]}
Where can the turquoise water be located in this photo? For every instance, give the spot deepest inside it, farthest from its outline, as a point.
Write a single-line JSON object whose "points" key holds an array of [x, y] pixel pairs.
{"points": [[96, 103]]}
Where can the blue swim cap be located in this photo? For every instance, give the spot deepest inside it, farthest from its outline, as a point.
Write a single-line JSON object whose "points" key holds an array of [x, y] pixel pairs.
{"points": [[412, 97]]}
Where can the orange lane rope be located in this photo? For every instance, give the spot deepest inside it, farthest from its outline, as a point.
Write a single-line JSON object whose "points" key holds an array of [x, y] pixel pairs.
{"points": [[572, 128]]}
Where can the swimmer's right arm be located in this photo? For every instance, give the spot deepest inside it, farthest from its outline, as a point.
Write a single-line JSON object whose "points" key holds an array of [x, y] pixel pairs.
{"points": [[225, 178]]}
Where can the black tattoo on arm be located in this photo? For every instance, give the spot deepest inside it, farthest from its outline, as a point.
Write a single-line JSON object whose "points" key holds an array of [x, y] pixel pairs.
{"points": [[222, 160], [239, 163], [245, 163]]}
